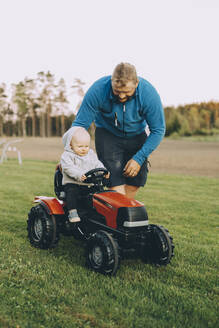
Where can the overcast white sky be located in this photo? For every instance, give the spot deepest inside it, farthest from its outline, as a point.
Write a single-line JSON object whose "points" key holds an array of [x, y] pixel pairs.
{"points": [[173, 43]]}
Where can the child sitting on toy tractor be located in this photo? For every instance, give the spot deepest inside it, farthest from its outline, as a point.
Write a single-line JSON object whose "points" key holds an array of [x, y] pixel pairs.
{"points": [[76, 160], [110, 224]]}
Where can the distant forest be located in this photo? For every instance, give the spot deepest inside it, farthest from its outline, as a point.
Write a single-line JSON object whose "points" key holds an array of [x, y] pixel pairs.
{"points": [[40, 107]]}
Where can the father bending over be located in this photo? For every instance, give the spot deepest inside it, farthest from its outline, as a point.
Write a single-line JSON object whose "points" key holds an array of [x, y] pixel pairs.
{"points": [[122, 105]]}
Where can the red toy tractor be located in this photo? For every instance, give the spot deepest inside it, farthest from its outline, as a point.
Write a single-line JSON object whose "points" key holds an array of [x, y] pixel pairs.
{"points": [[111, 225]]}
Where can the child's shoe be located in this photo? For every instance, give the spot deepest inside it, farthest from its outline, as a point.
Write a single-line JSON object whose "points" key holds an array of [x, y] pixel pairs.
{"points": [[73, 216]]}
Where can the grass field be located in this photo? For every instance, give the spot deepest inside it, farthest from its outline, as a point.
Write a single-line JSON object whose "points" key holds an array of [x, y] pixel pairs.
{"points": [[54, 289]]}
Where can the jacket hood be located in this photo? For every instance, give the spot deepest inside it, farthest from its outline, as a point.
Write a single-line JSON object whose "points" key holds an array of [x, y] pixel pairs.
{"points": [[66, 139]]}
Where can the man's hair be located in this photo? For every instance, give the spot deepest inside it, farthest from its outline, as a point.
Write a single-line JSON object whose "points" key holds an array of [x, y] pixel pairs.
{"points": [[123, 73]]}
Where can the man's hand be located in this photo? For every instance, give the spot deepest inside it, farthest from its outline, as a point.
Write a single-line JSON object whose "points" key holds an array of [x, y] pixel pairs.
{"points": [[131, 169]]}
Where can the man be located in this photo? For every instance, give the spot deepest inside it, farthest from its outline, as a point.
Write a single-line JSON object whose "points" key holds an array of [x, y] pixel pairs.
{"points": [[122, 105]]}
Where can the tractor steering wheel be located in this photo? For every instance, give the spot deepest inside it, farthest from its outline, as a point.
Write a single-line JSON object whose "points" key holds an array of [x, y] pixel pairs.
{"points": [[95, 176]]}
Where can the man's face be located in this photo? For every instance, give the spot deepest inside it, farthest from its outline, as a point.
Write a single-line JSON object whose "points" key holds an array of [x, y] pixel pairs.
{"points": [[125, 92]]}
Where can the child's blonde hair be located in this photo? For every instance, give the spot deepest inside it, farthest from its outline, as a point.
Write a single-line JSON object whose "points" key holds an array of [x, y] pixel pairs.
{"points": [[80, 134]]}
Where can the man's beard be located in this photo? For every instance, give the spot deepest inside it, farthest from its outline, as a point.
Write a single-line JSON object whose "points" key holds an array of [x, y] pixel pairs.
{"points": [[118, 100]]}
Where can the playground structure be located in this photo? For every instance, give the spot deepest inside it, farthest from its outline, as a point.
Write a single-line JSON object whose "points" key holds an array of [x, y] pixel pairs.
{"points": [[9, 146]]}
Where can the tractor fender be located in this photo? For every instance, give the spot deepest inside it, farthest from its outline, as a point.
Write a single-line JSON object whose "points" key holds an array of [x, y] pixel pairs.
{"points": [[51, 204]]}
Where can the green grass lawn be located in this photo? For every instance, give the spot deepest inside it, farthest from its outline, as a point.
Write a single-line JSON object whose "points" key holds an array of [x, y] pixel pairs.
{"points": [[53, 288]]}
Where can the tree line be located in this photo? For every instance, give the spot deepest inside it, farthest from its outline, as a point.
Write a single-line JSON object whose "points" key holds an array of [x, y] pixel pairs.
{"points": [[40, 107], [37, 107], [194, 119]]}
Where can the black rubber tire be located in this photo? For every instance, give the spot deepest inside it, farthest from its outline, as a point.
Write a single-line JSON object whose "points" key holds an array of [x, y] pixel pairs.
{"points": [[102, 253], [159, 246], [42, 228]]}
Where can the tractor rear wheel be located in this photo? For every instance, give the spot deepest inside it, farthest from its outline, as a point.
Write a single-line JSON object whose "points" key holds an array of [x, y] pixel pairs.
{"points": [[102, 253], [42, 229], [159, 246]]}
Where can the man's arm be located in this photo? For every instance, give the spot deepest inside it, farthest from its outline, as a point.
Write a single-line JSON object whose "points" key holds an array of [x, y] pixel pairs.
{"points": [[87, 111], [154, 116]]}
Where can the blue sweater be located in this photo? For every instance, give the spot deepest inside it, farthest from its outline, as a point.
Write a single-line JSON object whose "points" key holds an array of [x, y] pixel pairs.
{"points": [[127, 119]]}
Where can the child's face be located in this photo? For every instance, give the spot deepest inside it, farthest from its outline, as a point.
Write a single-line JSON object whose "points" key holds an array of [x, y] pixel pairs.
{"points": [[80, 147]]}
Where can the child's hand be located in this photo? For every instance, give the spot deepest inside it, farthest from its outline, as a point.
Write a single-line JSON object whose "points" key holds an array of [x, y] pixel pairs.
{"points": [[106, 176], [83, 177]]}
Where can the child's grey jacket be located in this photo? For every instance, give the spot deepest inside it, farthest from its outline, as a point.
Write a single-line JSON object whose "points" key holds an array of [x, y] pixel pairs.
{"points": [[73, 165]]}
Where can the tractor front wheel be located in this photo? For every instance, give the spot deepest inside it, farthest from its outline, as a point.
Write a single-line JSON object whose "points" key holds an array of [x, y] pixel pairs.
{"points": [[158, 247], [102, 253]]}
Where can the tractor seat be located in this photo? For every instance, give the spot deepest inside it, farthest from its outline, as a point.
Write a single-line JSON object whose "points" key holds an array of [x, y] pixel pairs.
{"points": [[59, 187]]}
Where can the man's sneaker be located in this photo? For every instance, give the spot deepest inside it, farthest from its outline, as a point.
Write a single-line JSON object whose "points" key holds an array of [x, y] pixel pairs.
{"points": [[73, 216]]}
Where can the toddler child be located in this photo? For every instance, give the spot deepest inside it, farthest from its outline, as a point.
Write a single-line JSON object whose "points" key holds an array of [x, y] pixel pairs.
{"points": [[76, 160]]}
